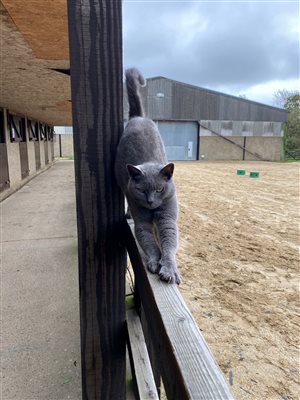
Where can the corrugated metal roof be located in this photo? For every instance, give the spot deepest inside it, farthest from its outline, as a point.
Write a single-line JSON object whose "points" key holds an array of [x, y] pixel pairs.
{"points": [[183, 101], [241, 99]]}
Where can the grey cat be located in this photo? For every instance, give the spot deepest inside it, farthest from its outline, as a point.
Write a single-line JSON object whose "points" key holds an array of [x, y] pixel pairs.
{"points": [[145, 178]]}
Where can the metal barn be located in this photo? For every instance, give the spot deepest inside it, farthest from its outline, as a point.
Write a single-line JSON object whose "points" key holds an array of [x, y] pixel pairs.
{"points": [[198, 123]]}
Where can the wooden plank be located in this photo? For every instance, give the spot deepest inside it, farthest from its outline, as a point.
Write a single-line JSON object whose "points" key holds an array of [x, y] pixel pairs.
{"points": [[130, 386], [95, 37], [188, 368], [140, 359], [24, 159], [4, 174], [154, 360]]}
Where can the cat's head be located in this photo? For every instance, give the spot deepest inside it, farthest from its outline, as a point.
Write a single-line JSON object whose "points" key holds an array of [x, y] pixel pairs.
{"points": [[150, 184]]}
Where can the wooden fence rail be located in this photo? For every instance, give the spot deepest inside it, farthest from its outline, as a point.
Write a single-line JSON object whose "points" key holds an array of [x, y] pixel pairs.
{"points": [[177, 348]]}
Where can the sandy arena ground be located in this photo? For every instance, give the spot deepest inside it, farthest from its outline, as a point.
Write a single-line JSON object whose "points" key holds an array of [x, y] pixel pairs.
{"points": [[239, 259]]}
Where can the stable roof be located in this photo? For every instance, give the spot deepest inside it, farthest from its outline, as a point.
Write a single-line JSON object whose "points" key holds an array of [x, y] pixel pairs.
{"points": [[34, 44]]}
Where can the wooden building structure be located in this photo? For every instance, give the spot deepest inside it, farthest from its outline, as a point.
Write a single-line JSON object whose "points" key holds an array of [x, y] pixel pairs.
{"points": [[26, 148], [34, 96]]}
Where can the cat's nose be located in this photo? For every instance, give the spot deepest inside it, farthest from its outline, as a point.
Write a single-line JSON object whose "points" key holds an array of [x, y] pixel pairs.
{"points": [[150, 202]]}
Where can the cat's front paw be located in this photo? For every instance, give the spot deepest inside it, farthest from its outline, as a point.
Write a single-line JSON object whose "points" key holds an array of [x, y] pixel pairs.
{"points": [[152, 266], [168, 272]]}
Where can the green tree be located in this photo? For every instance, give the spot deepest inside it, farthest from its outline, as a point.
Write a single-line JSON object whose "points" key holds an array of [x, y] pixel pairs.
{"points": [[292, 126]]}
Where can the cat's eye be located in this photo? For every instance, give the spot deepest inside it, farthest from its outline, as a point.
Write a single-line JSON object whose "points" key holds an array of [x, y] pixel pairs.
{"points": [[159, 190]]}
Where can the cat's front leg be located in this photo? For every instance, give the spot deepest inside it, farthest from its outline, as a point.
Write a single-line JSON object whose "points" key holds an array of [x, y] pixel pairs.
{"points": [[168, 238], [146, 239], [168, 270]]}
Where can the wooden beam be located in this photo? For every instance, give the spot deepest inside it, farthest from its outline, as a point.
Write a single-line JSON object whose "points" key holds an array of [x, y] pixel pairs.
{"points": [[152, 351], [187, 366], [95, 37], [139, 357]]}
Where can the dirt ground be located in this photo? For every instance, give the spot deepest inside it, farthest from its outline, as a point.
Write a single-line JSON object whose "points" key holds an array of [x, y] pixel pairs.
{"points": [[239, 259]]}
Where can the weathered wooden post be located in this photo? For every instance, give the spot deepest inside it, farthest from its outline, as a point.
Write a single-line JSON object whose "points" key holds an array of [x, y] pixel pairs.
{"points": [[96, 78]]}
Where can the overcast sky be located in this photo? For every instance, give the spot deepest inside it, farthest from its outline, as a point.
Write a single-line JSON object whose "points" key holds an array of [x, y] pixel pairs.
{"points": [[237, 47]]}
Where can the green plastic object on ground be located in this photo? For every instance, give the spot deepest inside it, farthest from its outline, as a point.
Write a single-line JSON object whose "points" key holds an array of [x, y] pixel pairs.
{"points": [[254, 174], [241, 172]]}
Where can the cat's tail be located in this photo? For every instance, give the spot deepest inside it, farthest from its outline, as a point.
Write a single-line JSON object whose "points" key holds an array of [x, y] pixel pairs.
{"points": [[134, 80]]}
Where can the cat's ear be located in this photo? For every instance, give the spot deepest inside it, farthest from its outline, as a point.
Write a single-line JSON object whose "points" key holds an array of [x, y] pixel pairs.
{"points": [[134, 172], [167, 171]]}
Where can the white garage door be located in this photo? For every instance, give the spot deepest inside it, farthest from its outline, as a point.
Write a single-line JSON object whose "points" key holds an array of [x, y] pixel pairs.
{"points": [[180, 139]]}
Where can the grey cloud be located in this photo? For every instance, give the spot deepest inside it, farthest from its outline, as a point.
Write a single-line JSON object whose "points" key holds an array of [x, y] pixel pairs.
{"points": [[217, 44]]}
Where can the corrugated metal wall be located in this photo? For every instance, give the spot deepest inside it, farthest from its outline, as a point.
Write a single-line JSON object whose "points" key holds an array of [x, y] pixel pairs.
{"points": [[241, 128], [158, 98], [171, 100]]}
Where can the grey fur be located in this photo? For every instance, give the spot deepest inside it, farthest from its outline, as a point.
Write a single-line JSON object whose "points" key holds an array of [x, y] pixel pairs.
{"points": [[134, 80], [145, 178]]}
